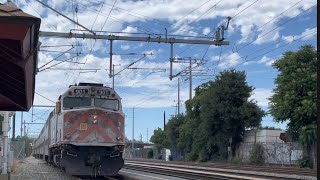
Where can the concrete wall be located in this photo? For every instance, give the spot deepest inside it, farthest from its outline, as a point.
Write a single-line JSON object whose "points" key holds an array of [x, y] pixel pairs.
{"points": [[275, 153]]}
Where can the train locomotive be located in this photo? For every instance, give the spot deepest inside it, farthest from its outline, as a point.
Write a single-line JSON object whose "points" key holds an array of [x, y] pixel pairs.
{"points": [[84, 134]]}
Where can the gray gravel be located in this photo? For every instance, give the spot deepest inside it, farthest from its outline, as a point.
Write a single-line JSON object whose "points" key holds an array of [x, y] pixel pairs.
{"points": [[35, 169]]}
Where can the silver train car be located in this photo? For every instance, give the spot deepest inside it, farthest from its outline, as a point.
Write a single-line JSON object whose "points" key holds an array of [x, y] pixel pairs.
{"points": [[84, 135]]}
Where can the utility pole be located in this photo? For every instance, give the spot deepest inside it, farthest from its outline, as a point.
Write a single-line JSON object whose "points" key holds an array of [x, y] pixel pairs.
{"points": [[147, 136], [178, 96], [190, 79], [14, 127], [187, 71], [113, 76], [21, 127], [164, 120], [113, 65], [24, 128], [32, 114], [133, 128]]}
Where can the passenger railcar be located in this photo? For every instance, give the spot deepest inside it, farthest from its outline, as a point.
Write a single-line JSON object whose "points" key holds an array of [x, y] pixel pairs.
{"points": [[84, 135]]}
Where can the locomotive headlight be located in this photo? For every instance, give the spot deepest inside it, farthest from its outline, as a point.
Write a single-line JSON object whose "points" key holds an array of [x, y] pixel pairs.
{"points": [[95, 119]]}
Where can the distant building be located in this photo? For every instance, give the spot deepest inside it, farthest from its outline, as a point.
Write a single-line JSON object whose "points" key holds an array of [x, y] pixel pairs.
{"points": [[263, 136], [276, 151]]}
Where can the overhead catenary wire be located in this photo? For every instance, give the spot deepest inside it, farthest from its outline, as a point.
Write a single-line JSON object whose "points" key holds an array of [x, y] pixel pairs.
{"points": [[98, 14], [45, 97], [213, 31], [201, 14], [67, 60], [98, 33], [285, 22], [280, 46], [56, 57]]}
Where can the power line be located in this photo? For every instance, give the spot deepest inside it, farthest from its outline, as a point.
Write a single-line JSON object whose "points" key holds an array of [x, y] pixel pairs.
{"points": [[201, 14], [56, 57], [193, 11], [45, 97], [290, 19], [98, 33], [276, 48], [97, 15], [244, 9]]}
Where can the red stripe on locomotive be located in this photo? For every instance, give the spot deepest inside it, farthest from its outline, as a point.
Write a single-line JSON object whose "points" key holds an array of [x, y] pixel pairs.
{"points": [[113, 122]]}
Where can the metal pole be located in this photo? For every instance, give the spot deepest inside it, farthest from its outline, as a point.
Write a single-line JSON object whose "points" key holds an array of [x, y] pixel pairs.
{"points": [[147, 136], [65, 16], [110, 58], [14, 127], [5, 129], [171, 60], [190, 79], [113, 76], [32, 114], [164, 120], [24, 128], [133, 128], [178, 96], [21, 124], [111, 37]]}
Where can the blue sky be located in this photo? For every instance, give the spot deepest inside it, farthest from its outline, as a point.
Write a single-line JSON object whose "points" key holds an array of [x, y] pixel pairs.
{"points": [[259, 33]]}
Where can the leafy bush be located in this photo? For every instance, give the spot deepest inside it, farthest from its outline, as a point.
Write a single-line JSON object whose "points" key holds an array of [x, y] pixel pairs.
{"points": [[257, 152], [150, 154], [305, 162]]}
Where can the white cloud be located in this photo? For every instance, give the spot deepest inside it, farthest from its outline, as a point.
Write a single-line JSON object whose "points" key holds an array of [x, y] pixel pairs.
{"points": [[206, 30], [261, 95], [130, 29], [230, 61], [266, 60], [125, 47], [128, 20], [304, 36]]}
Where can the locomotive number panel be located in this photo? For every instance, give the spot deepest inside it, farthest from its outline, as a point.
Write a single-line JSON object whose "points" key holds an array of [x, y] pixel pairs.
{"points": [[103, 92], [81, 91]]}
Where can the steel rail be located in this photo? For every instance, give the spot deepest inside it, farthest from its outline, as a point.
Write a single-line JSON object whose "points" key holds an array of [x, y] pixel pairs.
{"points": [[241, 173], [272, 169]]}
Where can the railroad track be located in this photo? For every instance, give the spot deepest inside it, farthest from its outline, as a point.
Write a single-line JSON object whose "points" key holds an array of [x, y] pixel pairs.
{"points": [[198, 172], [119, 177], [271, 169]]}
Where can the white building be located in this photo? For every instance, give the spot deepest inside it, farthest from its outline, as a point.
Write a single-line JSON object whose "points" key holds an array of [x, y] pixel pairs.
{"points": [[263, 136]]}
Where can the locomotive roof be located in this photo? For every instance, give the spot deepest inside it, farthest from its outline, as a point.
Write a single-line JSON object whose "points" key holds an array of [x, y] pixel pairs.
{"points": [[88, 84]]}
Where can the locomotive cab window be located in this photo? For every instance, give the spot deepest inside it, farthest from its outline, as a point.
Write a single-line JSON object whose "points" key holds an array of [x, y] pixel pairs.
{"points": [[112, 104], [75, 102]]}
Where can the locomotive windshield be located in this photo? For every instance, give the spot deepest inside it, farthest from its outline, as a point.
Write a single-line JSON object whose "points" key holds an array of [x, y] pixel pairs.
{"points": [[74, 102], [112, 104]]}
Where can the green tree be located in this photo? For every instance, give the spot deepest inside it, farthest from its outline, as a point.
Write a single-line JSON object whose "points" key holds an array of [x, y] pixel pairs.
{"points": [[158, 138], [294, 98], [220, 110], [307, 138], [172, 131]]}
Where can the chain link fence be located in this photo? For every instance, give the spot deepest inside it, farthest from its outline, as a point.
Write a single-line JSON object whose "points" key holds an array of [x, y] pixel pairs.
{"points": [[19, 149]]}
